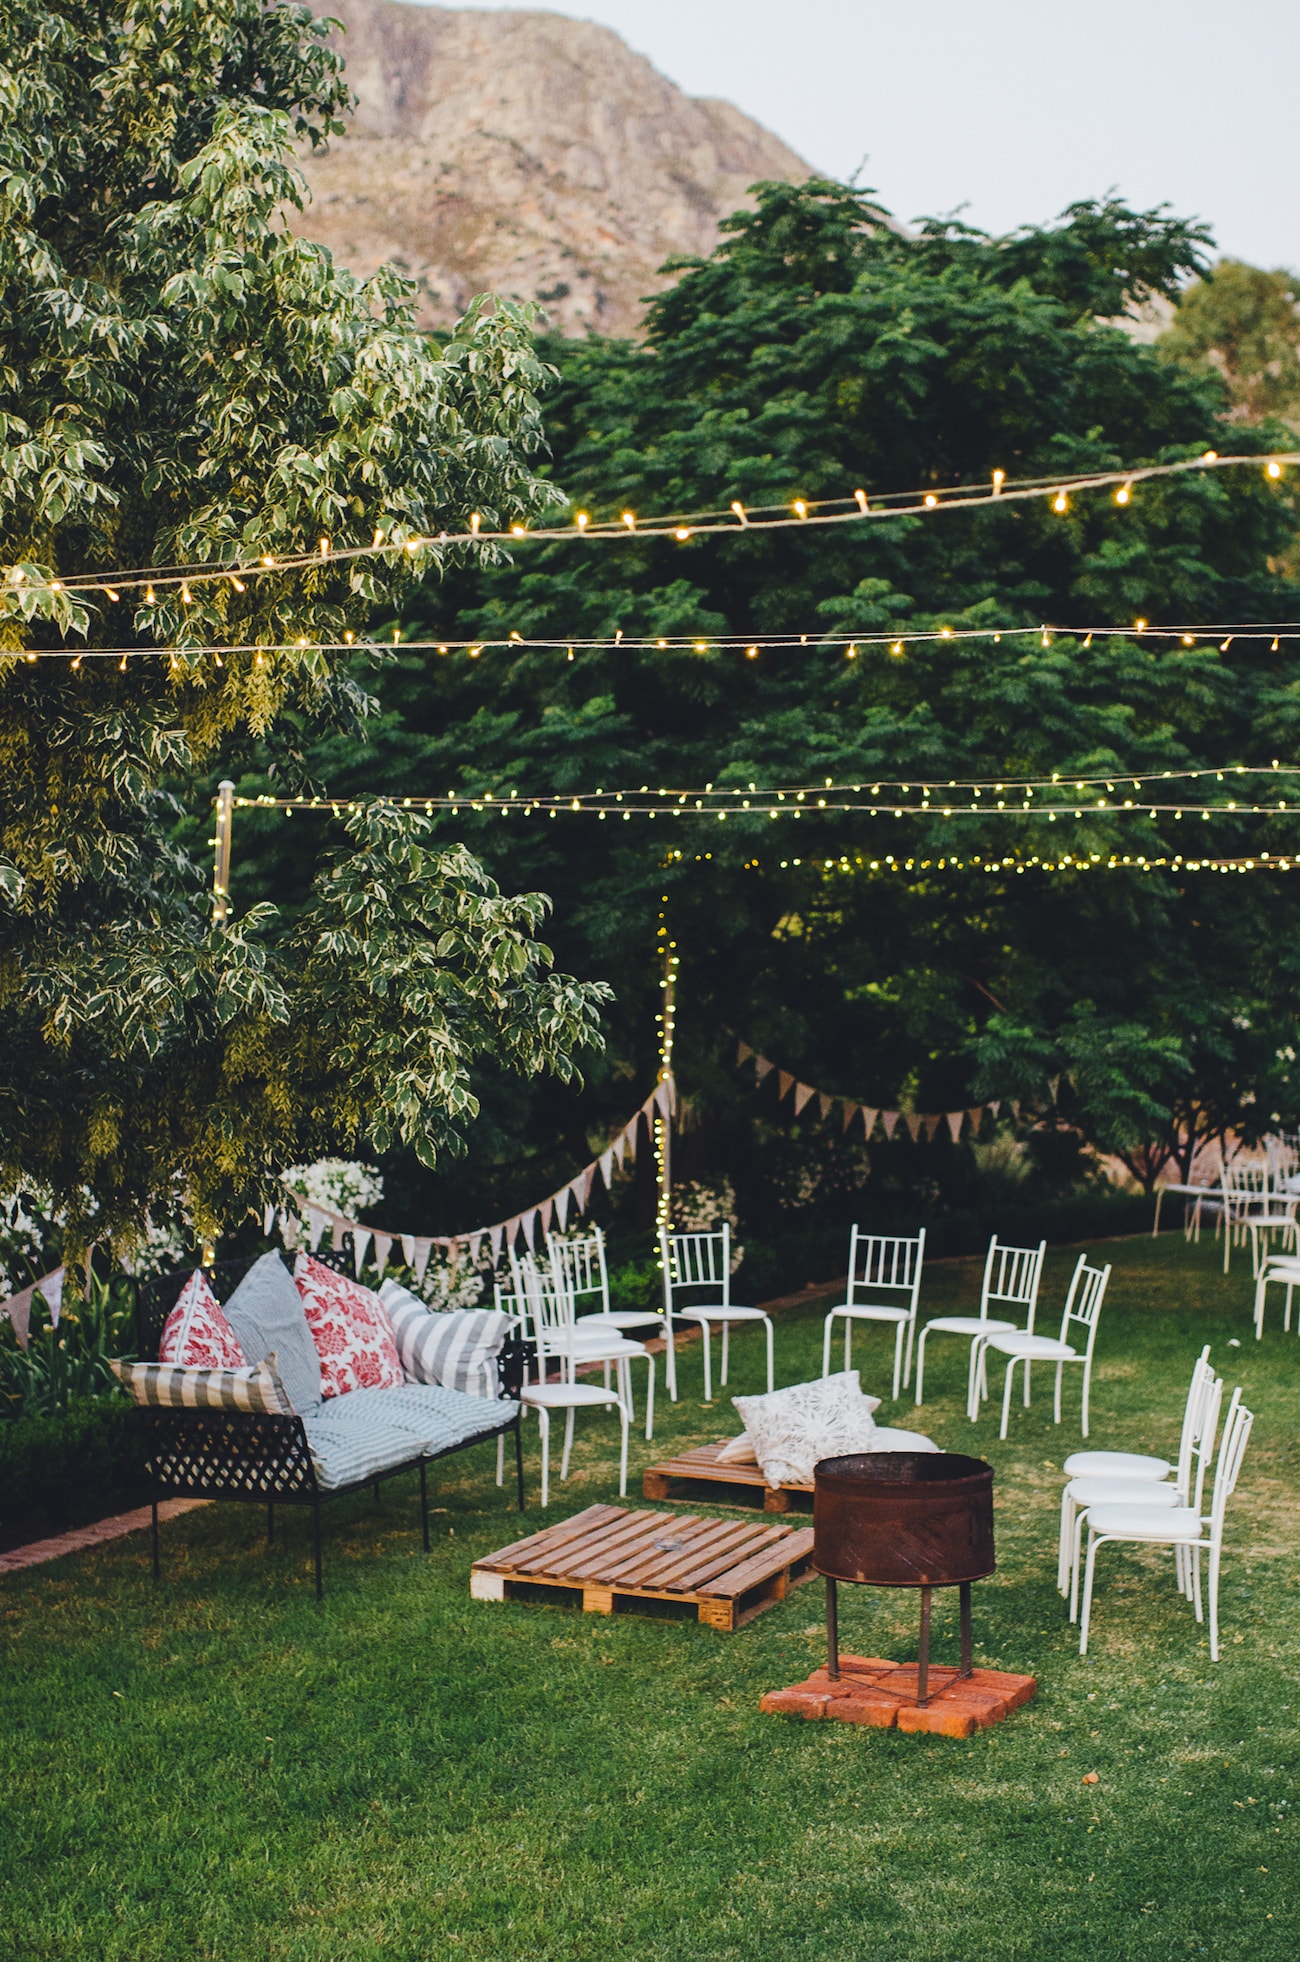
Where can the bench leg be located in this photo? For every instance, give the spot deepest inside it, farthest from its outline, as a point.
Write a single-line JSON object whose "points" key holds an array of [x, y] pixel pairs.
{"points": [[315, 1526], [424, 1504]]}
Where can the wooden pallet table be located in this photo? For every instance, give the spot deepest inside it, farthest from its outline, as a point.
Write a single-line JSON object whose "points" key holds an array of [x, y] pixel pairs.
{"points": [[727, 1570], [697, 1474]]}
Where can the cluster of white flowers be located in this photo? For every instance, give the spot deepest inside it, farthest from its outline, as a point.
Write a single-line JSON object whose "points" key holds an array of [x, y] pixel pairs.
{"points": [[161, 1248], [697, 1208], [339, 1184], [23, 1228], [461, 1286]]}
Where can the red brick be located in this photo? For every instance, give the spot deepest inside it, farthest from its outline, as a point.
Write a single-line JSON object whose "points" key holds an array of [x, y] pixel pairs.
{"points": [[881, 1694], [941, 1719]]}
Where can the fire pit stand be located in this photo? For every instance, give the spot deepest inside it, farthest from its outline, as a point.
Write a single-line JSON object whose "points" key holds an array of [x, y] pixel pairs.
{"points": [[903, 1519]]}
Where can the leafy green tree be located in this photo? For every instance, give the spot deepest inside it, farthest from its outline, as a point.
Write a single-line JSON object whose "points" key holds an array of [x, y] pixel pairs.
{"points": [[1243, 324], [816, 352], [184, 383]]}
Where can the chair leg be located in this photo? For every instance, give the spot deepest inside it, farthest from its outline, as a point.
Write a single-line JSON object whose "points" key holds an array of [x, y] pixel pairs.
{"points": [[544, 1426], [1196, 1583], [315, 1534], [726, 1341], [1093, 1543], [501, 1459], [848, 1344], [1026, 1363], [649, 1398], [1006, 1394], [898, 1361], [920, 1364], [771, 1357], [1214, 1601], [1056, 1400], [622, 1459], [826, 1343], [424, 1502], [1063, 1543], [519, 1457], [706, 1330], [1081, 1520], [568, 1443], [670, 1354], [1087, 1392], [907, 1360]]}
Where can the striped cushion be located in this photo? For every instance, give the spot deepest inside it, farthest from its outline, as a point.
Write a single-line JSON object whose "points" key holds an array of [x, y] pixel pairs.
{"points": [[457, 1350], [350, 1443], [435, 1418], [172, 1387]]}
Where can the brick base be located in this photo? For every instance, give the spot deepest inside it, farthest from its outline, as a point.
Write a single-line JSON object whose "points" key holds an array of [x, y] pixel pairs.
{"points": [[883, 1695]]}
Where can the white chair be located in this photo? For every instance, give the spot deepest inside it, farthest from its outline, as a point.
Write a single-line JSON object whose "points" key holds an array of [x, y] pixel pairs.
{"points": [[1247, 1197], [580, 1345], [580, 1265], [1011, 1279], [695, 1262], [880, 1266], [1131, 1467], [551, 1318], [1280, 1270], [1187, 1489], [1183, 1527], [1082, 1310]]}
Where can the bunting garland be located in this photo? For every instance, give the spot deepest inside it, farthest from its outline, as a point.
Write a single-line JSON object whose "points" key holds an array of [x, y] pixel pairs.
{"points": [[417, 1248], [921, 1125]]}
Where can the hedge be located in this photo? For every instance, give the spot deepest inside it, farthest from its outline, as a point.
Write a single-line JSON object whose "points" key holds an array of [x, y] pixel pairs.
{"points": [[67, 1470]]}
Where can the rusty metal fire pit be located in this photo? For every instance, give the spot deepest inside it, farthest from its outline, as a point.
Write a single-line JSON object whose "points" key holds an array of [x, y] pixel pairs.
{"points": [[903, 1519]]}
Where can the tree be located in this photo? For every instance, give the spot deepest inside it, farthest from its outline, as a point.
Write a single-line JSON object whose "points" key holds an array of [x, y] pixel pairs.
{"points": [[1243, 324], [182, 383], [818, 351]]}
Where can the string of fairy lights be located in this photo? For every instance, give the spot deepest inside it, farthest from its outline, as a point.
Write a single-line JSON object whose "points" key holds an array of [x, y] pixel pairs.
{"points": [[895, 641], [857, 507]]}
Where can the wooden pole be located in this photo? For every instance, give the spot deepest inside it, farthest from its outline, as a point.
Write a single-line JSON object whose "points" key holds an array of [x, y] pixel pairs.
{"points": [[221, 861], [663, 1121]]}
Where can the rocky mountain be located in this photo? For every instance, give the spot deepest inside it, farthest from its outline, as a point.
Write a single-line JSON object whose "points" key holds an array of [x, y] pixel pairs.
{"points": [[528, 154]]}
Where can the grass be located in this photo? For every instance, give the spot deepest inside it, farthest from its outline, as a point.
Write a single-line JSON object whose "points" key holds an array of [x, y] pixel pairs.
{"points": [[222, 1769]]}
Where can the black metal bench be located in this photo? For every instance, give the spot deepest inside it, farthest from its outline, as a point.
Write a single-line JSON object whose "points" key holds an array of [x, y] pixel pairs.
{"points": [[258, 1459]]}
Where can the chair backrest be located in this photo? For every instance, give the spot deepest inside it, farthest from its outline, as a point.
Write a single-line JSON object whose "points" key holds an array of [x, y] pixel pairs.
{"points": [[885, 1269], [549, 1305], [697, 1260], [1083, 1302], [1202, 1451], [1236, 1436], [1193, 1413], [580, 1267], [1011, 1278]]}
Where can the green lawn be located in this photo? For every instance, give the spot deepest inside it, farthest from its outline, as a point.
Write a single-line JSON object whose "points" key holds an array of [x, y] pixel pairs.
{"points": [[221, 1768]]}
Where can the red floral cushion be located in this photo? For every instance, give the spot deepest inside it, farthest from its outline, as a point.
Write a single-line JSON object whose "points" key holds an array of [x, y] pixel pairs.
{"points": [[350, 1329], [196, 1335]]}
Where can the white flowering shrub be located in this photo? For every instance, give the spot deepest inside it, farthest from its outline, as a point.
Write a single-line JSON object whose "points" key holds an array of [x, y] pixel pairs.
{"points": [[700, 1208], [339, 1184], [462, 1285], [162, 1246]]}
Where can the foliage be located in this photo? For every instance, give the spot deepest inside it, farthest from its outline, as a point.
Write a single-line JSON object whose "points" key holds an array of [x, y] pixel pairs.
{"points": [[217, 1805], [65, 1361], [1243, 324], [816, 351], [82, 1463], [701, 1208], [182, 380]]}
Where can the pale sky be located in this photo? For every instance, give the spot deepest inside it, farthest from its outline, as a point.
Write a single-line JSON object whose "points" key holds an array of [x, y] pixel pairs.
{"points": [[1008, 107]]}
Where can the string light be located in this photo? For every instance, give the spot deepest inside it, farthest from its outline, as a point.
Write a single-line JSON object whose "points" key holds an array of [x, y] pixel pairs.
{"points": [[854, 508]]}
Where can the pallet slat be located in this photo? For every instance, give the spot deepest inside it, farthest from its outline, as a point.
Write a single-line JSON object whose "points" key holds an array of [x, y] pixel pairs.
{"points": [[728, 1570], [701, 1468]]}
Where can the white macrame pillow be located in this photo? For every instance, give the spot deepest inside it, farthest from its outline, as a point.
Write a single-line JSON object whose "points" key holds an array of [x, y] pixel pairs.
{"points": [[790, 1430]]}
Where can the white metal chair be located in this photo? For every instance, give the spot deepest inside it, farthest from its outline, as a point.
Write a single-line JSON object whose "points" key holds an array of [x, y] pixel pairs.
{"points": [[581, 1345], [580, 1265], [1187, 1489], [701, 1262], [1131, 1468], [1183, 1527], [1082, 1311], [1247, 1197], [552, 1321], [1011, 1279], [880, 1266], [1279, 1270]]}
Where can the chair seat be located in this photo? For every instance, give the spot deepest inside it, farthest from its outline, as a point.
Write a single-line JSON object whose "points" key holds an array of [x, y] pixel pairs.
{"points": [[604, 1348], [1122, 1492], [1048, 1347], [968, 1325], [616, 1319], [1146, 1522], [1116, 1464], [717, 1312], [886, 1439], [566, 1396], [860, 1311]]}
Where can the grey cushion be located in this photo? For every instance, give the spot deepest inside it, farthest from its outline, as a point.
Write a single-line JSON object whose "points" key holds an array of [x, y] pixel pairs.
{"points": [[349, 1442], [266, 1313], [435, 1418]]}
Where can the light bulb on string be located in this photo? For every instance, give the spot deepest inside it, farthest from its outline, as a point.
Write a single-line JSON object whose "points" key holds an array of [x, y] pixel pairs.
{"points": [[861, 497], [1060, 503], [629, 519], [740, 511], [1273, 467], [1123, 494], [999, 478]]}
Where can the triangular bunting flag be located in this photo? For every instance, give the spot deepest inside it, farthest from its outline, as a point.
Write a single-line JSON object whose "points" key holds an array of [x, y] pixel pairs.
{"points": [[666, 1096], [360, 1241], [581, 1186], [824, 1103], [268, 1220], [976, 1118], [1054, 1084], [1015, 1107], [915, 1123], [338, 1226], [383, 1247], [630, 1137], [544, 1211], [850, 1112], [19, 1310], [889, 1118], [408, 1248], [562, 1199], [496, 1235], [954, 1124], [423, 1248], [869, 1117], [743, 1052], [784, 1084], [618, 1148], [606, 1162], [315, 1226], [996, 1105], [529, 1224], [802, 1093], [762, 1067], [290, 1228]]}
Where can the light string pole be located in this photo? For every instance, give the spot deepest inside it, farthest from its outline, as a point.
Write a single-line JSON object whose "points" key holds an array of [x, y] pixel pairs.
{"points": [[663, 1122], [225, 814]]}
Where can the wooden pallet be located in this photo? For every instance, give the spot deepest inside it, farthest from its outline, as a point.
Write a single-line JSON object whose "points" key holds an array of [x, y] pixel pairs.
{"points": [[727, 1570], [697, 1474]]}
